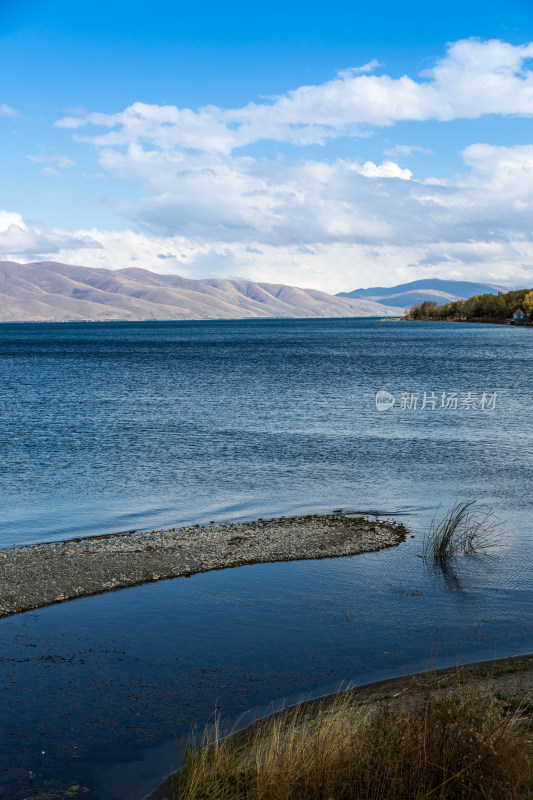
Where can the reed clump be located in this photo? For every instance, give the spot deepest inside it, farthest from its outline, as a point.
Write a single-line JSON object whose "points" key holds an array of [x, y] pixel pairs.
{"points": [[459, 744], [467, 527]]}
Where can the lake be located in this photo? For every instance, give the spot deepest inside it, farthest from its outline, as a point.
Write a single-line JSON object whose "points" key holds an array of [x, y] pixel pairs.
{"points": [[112, 427]]}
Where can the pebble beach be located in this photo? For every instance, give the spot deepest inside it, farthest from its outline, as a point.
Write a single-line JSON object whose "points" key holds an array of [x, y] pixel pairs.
{"points": [[35, 576]]}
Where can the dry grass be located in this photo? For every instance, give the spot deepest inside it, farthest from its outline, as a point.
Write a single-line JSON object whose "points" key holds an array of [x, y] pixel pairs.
{"points": [[468, 527], [458, 744]]}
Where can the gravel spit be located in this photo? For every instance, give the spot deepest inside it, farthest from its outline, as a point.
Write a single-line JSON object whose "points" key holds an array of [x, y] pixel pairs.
{"points": [[41, 575]]}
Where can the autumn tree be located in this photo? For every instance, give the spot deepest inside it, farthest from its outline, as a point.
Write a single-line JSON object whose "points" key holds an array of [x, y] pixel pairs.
{"points": [[528, 304]]}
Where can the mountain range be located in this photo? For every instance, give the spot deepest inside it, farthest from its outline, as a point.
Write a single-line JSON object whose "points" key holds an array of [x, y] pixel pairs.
{"points": [[47, 290], [435, 289]]}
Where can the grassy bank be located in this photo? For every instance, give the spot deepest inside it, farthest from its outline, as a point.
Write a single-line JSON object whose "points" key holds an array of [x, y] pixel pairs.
{"points": [[454, 735]]}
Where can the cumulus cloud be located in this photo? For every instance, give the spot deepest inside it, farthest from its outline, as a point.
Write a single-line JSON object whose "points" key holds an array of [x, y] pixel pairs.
{"points": [[241, 199], [329, 226], [331, 266], [213, 197], [332, 226], [9, 218], [494, 199], [17, 239], [210, 208], [388, 169], [474, 78]]}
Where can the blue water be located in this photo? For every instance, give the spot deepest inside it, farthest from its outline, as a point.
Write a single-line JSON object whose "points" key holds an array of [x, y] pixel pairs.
{"points": [[110, 427]]}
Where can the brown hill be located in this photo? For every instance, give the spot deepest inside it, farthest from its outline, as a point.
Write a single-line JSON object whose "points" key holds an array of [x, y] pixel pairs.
{"points": [[48, 290]]}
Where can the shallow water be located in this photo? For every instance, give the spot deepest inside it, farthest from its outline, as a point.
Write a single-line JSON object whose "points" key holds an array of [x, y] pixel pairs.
{"points": [[111, 427], [93, 690]]}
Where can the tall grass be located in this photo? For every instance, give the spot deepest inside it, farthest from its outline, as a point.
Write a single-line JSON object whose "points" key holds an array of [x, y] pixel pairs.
{"points": [[468, 527], [459, 744]]}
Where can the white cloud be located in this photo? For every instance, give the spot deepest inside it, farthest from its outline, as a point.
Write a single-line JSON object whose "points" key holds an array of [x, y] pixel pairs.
{"points": [[9, 218], [389, 169], [474, 78], [406, 150], [331, 226], [328, 226], [370, 66], [63, 162], [494, 199], [7, 111], [207, 209], [239, 199], [331, 266], [18, 240]]}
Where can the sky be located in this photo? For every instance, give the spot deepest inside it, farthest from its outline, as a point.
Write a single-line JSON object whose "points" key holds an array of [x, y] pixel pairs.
{"points": [[332, 146]]}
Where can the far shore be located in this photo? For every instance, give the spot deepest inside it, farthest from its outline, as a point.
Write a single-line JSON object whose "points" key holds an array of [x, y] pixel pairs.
{"points": [[469, 321], [40, 575]]}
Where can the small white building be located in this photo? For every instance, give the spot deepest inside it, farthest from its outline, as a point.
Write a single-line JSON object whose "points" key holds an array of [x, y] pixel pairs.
{"points": [[518, 317]]}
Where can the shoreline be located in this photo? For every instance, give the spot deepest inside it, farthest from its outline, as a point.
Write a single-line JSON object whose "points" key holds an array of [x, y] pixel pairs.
{"points": [[473, 321], [35, 576], [511, 677]]}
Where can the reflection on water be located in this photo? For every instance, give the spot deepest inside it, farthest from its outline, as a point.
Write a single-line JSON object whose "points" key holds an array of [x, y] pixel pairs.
{"points": [[450, 574]]}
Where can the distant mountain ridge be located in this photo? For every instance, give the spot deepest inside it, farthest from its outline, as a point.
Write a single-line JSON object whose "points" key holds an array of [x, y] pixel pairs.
{"points": [[434, 289], [46, 290]]}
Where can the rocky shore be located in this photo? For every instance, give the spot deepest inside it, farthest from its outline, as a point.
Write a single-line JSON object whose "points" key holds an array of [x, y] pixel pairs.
{"points": [[40, 575]]}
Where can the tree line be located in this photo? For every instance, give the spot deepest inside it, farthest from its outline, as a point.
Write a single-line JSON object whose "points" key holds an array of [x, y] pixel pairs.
{"points": [[480, 308]]}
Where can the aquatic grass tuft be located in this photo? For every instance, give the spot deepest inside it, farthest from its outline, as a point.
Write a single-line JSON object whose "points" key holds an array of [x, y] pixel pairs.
{"points": [[468, 527], [427, 743]]}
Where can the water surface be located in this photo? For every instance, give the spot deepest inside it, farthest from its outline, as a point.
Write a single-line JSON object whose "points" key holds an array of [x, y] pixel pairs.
{"points": [[110, 427], [119, 426]]}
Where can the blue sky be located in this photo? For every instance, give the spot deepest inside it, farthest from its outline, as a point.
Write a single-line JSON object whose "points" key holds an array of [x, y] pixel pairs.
{"points": [[331, 146]]}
